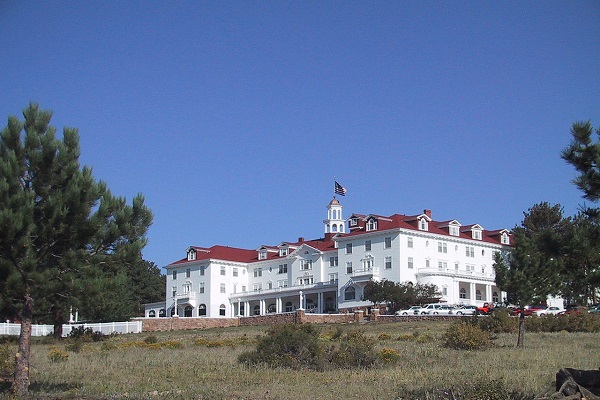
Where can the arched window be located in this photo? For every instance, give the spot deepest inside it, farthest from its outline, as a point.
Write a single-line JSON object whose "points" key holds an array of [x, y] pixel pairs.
{"points": [[350, 293], [187, 311], [222, 310], [152, 314], [495, 297], [202, 310], [289, 307], [478, 294], [334, 228], [271, 309], [256, 310], [463, 293], [162, 313], [172, 311]]}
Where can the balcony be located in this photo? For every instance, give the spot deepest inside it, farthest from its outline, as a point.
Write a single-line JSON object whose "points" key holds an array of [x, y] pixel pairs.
{"points": [[456, 273], [284, 291], [189, 298], [365, 274]]}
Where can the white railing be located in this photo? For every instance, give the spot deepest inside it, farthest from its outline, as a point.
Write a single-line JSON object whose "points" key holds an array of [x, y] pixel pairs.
{"points": [[44, 330]]}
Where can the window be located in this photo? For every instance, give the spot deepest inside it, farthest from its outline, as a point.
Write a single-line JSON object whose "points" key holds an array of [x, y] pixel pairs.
{"points": [[349, 267], [201, 288], [332, 278], [262, 255], [243, 288], [445, 291], [367, 263], [388, 242], [162, 312], [477, 234], [442, 265], [427, 263], [353, 221], [350, 293], [495, 297], [235, 271], [478, 295], [152, 314], [388, 262], [470, 251], [409, 242], [191, 255], [470, 268], [257, 272], [223, 271], [222, 310], [257, 286], [333, 261], [367, 245], [305, 265], [309, 280], [270, 285], [410, 263], [188, 272], [423, 225], [289, 307], [282, 269], [348, 248], [202, 310], [174, 291], [174, 275], [462, 293], [282, 283], [371, 225], [283, 251], [442, 247], [454, 230], [186, 288], [222, 288], [504, 239], [187, 311], [202, 269]]}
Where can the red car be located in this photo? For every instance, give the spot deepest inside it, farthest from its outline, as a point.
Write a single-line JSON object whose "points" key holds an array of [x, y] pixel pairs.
{"points": [[529, 310]]}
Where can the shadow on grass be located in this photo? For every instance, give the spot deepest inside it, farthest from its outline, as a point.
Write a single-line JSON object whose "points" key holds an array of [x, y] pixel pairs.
{"points": [[36, 388]]}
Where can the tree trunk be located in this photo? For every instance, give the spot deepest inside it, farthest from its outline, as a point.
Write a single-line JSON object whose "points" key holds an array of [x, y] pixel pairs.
{"points": [[20, 385], [58, 321], [521, 337]]}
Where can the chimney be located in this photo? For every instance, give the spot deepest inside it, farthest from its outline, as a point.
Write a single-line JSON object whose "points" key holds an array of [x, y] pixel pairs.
{"points": [[300, 239], [427, 212]]}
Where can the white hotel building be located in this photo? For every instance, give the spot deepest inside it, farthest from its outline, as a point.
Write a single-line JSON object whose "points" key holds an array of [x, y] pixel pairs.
{"points": [[328, 275]]}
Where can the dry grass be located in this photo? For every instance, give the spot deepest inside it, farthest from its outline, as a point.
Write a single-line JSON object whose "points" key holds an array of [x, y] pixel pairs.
{"points": [[117, 369]]}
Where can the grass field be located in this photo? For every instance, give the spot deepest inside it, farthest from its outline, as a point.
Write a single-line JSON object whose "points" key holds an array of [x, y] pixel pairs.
{"points": [[203, 365]]}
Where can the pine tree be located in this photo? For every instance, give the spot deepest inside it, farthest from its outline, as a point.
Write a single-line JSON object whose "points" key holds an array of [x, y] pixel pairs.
{"points": [[55, 221]]}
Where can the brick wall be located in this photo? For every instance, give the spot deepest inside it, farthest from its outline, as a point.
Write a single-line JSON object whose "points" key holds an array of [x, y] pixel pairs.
{"points": [[175, 323]]}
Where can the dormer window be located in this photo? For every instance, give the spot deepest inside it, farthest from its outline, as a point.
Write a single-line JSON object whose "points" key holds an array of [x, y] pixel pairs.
{"points": [[476, 234], [353, 221], [191, 256], [371, 225], [454, 231], [504, 239], [423, 225], [262, 255], [283, 251]]}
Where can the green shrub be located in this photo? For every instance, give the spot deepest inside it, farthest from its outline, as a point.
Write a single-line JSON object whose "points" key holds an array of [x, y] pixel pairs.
{"points": [[354, 350], [56, 355], [74, 347], [288, 346], [86, 334], [150, 339], [384, 336], [499, 321], [487, 390], [466, 336], [389, 356], [169, 344]]}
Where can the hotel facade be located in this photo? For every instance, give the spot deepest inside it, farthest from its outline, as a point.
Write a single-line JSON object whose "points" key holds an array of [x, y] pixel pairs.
{"points": [[329, 274]]}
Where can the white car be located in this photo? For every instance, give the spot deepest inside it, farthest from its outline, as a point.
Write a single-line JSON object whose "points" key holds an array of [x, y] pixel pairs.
{"points": [[440, 309], [466, 310], [548, 311], [414, 310]]}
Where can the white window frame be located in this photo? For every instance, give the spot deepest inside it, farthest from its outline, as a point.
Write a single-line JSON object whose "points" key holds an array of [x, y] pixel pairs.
{"points": [[388, 262], [306, 265], [442, 247]]}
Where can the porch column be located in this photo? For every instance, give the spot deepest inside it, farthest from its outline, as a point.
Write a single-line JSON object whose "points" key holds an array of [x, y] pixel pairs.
{"points": [[278, 305], [246, 308], [456, 290], [320, 303], [262, 307], [488, 292], [238, 304], [472, 294]]}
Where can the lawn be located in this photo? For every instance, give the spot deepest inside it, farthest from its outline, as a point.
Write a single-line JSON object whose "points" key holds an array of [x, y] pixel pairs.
{"points": [[202, 364]]}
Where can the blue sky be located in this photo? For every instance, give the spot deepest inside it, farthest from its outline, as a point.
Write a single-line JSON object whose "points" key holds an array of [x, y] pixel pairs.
{"points": [[234, 117]]}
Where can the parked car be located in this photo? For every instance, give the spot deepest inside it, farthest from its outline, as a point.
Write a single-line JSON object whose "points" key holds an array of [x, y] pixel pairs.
{"points": [[548, 311], [414, 310], [574, 310], [431, 308], [595, 309], [443, 309], [529, 310], [466, 310]]}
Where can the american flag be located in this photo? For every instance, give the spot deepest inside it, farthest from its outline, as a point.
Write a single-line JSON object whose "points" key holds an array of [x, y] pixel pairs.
{"points": [[339, 189]]}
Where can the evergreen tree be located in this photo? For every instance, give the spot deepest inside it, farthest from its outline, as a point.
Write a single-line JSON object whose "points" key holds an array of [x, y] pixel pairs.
{"points": [[531, 272], [56, 221], [584, 155]]}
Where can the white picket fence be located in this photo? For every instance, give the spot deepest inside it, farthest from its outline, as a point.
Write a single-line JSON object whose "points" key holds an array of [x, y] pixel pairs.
{"points": [[105, 327]]}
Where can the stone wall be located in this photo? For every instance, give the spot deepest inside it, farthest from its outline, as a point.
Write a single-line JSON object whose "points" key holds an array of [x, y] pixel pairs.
{"points": [[176, 323]]}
